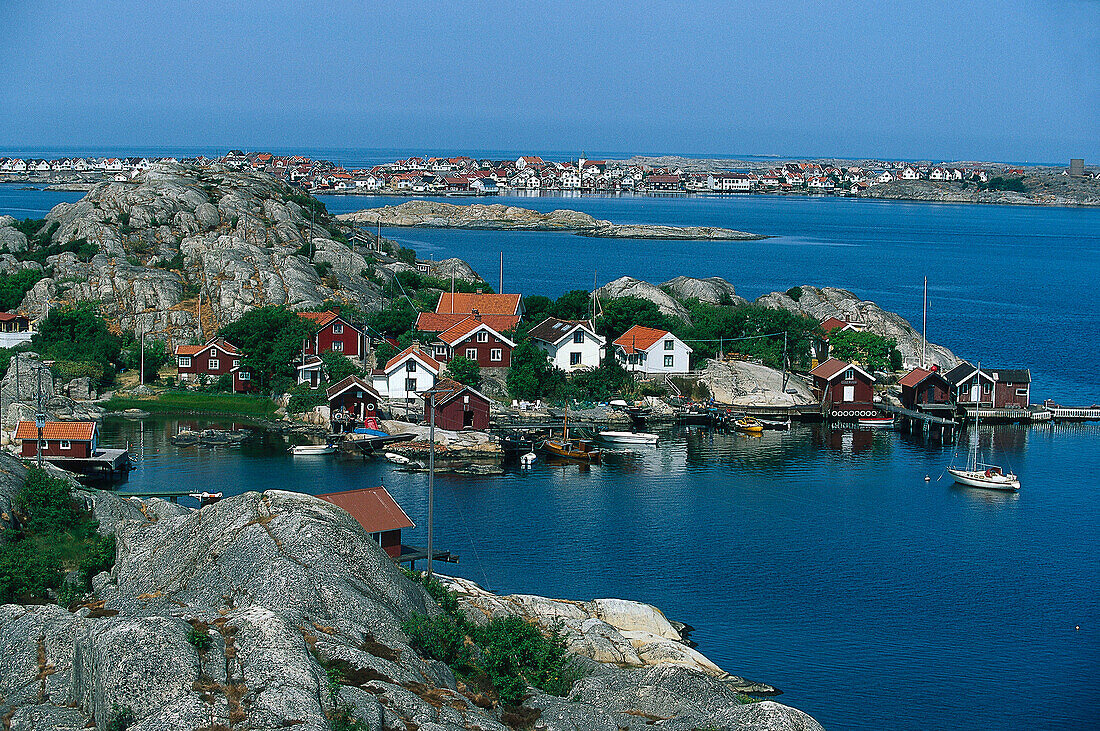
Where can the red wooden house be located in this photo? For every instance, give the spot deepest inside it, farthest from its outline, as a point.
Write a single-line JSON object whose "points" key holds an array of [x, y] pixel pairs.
{"points": [[76, 439], [501, 312], [922, 388], [378, 513], [352, 402], [995, 388], [477, 340], [845, 389], [456, 406], [216, 358], [333, 333]]}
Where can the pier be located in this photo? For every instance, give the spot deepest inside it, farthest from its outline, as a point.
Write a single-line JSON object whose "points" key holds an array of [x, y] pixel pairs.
{"points": [[1073, 413], [106, 465]]}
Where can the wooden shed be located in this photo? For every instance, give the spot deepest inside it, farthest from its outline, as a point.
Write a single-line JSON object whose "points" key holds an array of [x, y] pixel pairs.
{"points": [[456, 406], [379, 514]]}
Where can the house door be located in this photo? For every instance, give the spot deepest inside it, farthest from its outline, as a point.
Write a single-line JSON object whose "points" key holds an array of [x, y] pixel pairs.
{"points": [[467, 418], [849, 394], [975, 393]]}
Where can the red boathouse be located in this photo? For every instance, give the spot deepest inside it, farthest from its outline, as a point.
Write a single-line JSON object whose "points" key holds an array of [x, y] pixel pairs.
{"points": [[74, 439], [378, 513], [846, 390], [456, 406]]}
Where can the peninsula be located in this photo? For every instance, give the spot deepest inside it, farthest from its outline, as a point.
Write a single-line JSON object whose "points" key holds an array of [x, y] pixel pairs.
{"points": [[496, 216]]}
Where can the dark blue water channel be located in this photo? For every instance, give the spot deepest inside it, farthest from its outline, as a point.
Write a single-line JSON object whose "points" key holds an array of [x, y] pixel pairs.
{"points": [[819, 561]]}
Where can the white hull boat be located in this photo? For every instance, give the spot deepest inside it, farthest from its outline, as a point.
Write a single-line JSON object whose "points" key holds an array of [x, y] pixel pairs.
{"points": [[879, 422], [628, 437], [305, 450], [991, 478]]}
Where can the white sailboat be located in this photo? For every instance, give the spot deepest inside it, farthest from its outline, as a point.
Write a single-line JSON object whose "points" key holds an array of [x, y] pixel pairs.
{"points": [[977, 474]]}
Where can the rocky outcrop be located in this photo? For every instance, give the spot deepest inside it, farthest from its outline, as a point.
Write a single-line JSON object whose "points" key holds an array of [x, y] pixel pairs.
{"points": [[712, 290], [11, 238], [457, 268], [174, 233], [496, 216], [227, 617], [823, 302], [631, 287], [740, 383]]}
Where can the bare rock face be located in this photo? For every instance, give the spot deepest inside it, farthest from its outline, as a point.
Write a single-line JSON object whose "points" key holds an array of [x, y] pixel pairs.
{"points": [[712, 290], [432, 214], [820, 303], [631, 287], [28, 380], [177, 233], [739, 383], [457, 268], [11, 238]]}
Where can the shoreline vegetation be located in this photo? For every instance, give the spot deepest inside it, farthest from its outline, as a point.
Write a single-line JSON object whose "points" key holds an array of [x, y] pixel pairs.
{"points": [[190, 402]]}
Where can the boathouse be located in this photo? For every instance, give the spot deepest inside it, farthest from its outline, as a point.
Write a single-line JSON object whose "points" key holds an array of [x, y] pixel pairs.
{"points": [[334, 333], [570, 344], [351, 402], [70, 439], [923, 388], [649, 350], [995, 388], [457, 406], [846, 390], [379, 514]]}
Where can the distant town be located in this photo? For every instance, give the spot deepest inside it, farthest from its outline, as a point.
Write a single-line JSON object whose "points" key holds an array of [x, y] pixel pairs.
{"points": [[464, 175]]}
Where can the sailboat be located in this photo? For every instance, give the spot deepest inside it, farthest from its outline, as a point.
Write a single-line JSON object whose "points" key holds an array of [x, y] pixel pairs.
{"points": [[581, 450], [976, 474]]}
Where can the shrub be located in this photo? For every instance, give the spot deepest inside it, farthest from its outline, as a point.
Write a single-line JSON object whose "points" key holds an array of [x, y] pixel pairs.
{"points": [[465, 370], [322, 268], [795, 293], [47, 503], [302, 402], [406, 255], [200, 638], [14, 287], [121, 718]]}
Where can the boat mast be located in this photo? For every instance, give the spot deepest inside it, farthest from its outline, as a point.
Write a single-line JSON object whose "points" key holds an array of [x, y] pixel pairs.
{"points": [[924, 337], [431, 476]]}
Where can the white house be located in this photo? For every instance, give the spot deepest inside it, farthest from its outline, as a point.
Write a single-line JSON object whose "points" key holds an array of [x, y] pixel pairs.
{"points": [[406, 375], [571, 344], [648, 350]]}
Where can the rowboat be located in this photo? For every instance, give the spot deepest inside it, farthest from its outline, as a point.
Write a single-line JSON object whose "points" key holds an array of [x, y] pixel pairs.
{"points": [[628, 437], [748, 424], [877, 421], [305, 450]]}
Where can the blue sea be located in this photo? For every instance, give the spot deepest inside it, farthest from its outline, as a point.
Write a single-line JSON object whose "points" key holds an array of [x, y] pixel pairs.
{"points": [[818, 560]]}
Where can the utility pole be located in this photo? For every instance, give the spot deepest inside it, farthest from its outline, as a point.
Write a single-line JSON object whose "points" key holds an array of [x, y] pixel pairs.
{"points": [[431, 478], [141, 363], [40, 418], [924, 329], [784, 361], [501, 290]]}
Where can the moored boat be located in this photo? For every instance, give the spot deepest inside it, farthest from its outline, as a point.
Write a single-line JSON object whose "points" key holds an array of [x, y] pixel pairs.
{"points": [[877, 422], [628, 437], [581, 450], [991, 477], [303, 450], [748, 424]]}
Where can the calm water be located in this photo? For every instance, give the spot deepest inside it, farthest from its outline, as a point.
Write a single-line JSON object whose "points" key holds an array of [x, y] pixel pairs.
{"points": [[816, 560]]}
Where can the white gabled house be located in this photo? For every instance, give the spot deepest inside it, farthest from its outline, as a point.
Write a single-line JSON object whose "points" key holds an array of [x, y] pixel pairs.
{"points": [[406, 375], [570, 344], [648, 350]]}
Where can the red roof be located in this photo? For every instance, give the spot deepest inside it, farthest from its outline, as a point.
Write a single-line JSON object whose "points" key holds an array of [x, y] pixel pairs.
{"points": [[914, 377], [458, 332], [372, 507], [832, 323], [222, 343], [71, 431], [321, 318], [639, 338], [487, 304], [413, 351], [437, 322], [833, 367], [8, 316]]}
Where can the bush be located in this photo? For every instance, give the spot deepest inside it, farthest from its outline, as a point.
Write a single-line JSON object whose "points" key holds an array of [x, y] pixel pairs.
{"points": [[465, 370], [200, 638], [14, 287], [407, 256], [322, 268], [302, 402], [532, 376], [46, 503], [77, 333], [795, 293], [338, 367]]}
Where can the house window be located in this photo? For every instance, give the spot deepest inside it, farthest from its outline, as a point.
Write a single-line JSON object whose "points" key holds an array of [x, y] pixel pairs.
{"points": [[1021, 392], [987, 387], [376, 537], [65, 445], [185, 361], [496, 354], [410, 384], [244, 376], [214, 364], [669, 360], [236, 362], [578, 337], [338, 347], [440, 349], [669, 344], [574, 359], [471, 353], [849, 374], [410, 366], [337, 329], [483, 337]]}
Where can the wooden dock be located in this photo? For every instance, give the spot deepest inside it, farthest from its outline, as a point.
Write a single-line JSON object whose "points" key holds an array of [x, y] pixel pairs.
{"points": [[924, 416], [106, 465], [1073, 413]]}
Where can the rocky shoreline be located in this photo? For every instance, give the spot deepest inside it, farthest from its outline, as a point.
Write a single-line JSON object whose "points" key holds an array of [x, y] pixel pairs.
{"points": [[236, 614], [499, 217]]}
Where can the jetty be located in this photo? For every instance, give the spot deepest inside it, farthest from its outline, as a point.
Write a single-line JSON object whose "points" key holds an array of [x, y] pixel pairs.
{"points": [[1072, 413]]}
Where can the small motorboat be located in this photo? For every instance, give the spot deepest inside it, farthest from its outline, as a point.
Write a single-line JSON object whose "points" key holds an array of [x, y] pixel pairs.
{"points": [[628, 437], [206, 498], [528, 459], [988, 476], [774, 424], [748, 424], [307, 450], [877, 422], [397, 458]]}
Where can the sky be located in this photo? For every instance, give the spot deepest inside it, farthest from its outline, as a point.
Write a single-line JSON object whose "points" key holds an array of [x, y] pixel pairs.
{"points": [[1010, 81]]}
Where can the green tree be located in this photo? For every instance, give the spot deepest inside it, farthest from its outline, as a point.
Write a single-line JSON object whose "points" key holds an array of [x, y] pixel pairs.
{"points": [[383, 352], [338, 366], [77, 332], [573, 305], [536, 308], [602, 383], [14, 287], [871, 351], [270, 338], [623, 313], [532, 376], [156, 355], [465, 370], [394, 321]]}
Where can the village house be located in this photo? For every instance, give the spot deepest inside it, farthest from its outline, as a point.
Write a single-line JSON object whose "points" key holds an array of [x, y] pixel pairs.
{"points": [[73, 439], [334, 333], [210, 361], [501, 311], [457, 406], [995, 388], [923, 388], [663, 182], [845, 389], [406, 375], [570, 344], [476, 339], [311, 371], [351, 403], [649, 350], [379, 514]]}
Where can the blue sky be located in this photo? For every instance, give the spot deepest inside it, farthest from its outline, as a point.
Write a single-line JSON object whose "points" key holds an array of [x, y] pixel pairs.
{"points": [[942, 80]]}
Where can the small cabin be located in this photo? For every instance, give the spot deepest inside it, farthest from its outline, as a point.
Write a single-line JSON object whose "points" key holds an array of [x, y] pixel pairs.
{"points": [[351, 403], [844, 388], [456, 406], [73, 439], [923, 388], [379, 514], [997, 388]]}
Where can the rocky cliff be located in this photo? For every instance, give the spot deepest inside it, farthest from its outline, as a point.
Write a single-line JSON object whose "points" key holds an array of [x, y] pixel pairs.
{"points": [[229, 617], [176, 233], [822, 302], [497, 216]]}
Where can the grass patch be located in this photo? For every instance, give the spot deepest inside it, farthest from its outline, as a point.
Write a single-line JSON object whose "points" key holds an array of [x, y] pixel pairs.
{"points": [[175, 402]]}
